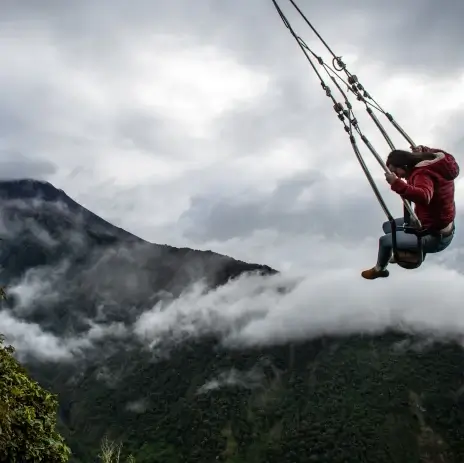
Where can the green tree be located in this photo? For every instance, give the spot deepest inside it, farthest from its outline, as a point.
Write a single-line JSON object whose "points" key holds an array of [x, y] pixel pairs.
{"points": [[27, 416]]}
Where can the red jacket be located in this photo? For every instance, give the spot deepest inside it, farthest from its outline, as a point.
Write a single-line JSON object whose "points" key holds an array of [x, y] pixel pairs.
{"points": [[430, 186]]}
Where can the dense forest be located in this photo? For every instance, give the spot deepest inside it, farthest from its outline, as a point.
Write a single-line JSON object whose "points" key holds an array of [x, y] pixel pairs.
{"points": [[354, 399]]}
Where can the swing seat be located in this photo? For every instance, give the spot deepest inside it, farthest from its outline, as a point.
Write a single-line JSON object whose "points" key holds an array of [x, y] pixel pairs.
{"points": [[408, 260]]}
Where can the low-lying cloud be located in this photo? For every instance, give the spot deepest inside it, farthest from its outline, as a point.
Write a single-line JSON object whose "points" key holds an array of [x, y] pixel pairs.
{"points": [[31, 341], [261, 311], [255, 311]]}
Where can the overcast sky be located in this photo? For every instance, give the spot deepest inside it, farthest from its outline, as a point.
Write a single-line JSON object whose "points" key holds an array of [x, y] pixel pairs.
{"points": [[201, 124]]}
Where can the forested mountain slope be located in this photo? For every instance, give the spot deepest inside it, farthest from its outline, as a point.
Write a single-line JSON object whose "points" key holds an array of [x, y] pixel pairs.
{"points": [[388, 398]]}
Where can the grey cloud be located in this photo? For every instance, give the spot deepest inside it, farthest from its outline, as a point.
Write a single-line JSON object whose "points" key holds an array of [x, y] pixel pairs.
{"points": [[421, 31], [421, 36], [16, 165], [451, 133], [156, 134], [88, 34], [147, 131], [286, 111], [351, 216]]}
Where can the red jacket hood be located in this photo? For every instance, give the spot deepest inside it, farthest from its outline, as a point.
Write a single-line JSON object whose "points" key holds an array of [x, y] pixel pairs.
{"points": [[444, 165]]}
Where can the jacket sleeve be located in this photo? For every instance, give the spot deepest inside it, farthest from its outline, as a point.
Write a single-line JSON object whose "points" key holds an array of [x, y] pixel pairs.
{"points": [[419, 192]]}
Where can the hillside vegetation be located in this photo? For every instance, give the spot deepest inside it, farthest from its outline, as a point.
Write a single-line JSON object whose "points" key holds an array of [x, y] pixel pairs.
{"points": [[356, 399], [27, 416]]}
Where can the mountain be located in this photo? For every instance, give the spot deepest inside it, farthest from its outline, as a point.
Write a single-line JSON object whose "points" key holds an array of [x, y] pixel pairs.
{"points": [[389, 398], [45, 235]]}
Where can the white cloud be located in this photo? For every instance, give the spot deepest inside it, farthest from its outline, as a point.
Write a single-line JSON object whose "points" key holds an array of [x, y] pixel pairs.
{"points": [[137, 406], [234, 378], [255, 311], [36, 290], [193, 85], [29, 338]]}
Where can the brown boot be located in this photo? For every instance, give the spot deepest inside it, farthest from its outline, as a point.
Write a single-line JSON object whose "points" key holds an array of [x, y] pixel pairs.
{"points": [[373, 273]]}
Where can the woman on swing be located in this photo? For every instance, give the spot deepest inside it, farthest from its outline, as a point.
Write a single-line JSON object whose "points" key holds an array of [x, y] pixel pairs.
{"points": [[430, 175]]}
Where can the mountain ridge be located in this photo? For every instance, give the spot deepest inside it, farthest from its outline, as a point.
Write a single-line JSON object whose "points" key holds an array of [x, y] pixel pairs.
{"points": [[98, 229]]}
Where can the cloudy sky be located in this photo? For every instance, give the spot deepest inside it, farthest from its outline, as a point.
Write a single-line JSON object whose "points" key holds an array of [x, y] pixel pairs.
{"points": [[200, 124]]}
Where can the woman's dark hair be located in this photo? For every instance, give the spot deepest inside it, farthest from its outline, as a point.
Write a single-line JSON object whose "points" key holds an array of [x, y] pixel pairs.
{"points": [[407, 160]]}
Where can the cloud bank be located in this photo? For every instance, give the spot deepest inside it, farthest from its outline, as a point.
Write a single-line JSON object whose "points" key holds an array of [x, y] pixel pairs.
{"points": [[262, 311]]}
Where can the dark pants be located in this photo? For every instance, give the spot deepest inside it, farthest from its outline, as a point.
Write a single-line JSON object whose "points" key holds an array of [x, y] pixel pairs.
{"points": [[408, 242]]}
